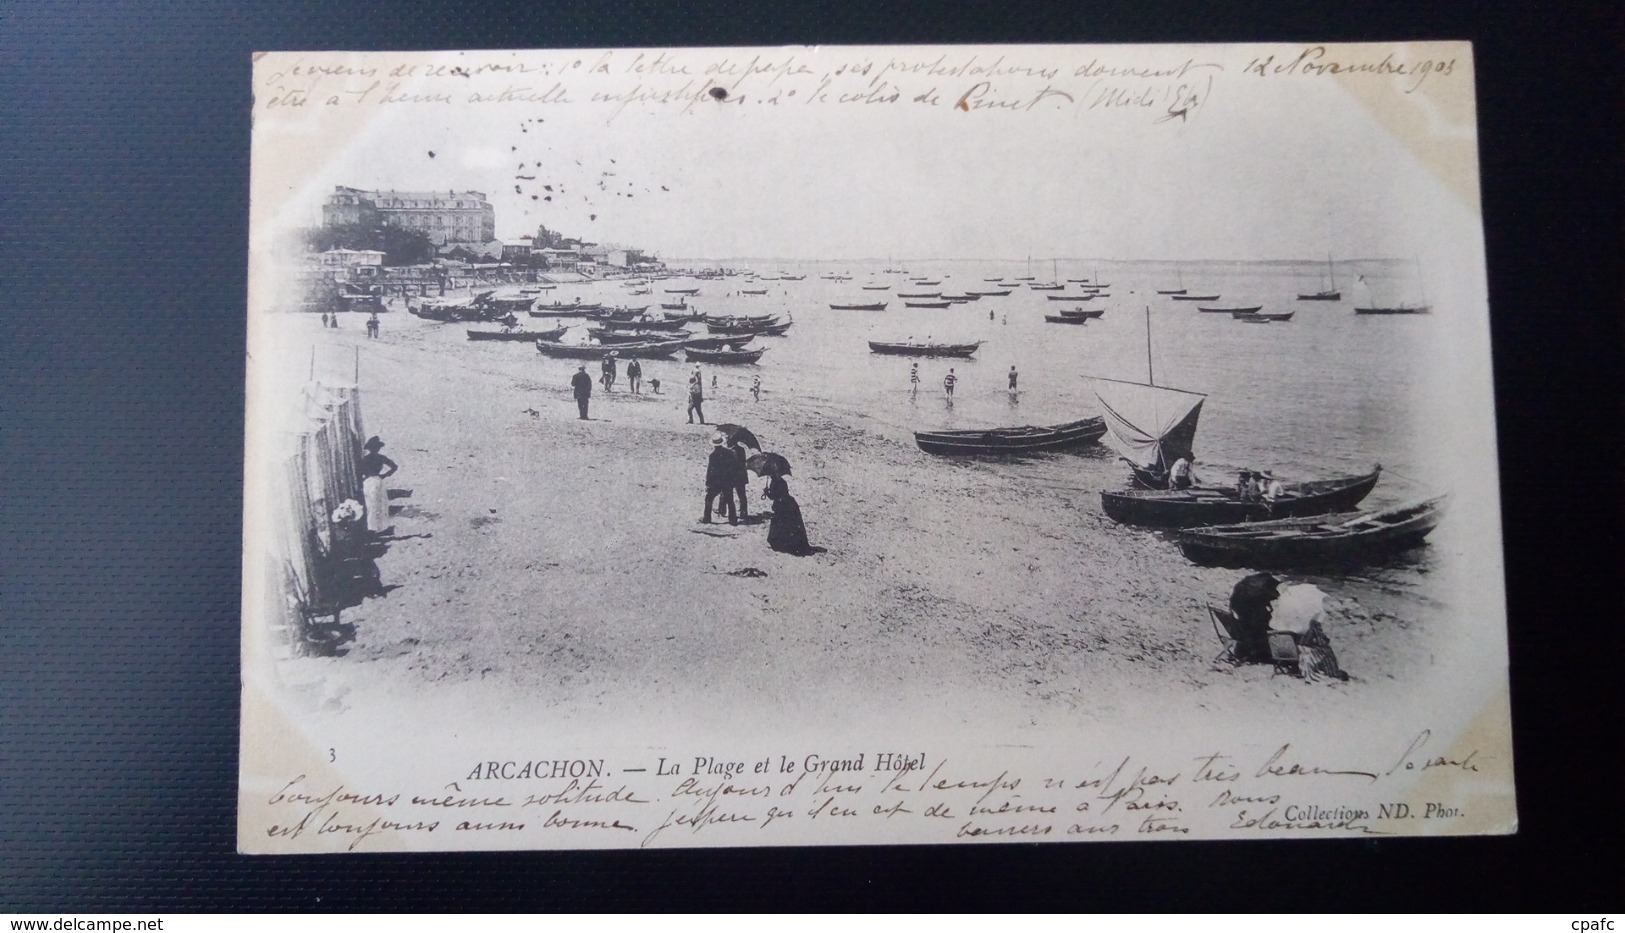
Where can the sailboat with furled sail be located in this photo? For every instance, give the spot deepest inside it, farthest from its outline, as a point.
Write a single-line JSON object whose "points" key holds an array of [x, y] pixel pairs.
{"points": [[1330, 292], [1151, 426]]}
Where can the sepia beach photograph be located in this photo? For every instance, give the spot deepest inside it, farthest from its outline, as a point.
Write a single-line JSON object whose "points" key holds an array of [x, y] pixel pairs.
{"points": [[1026, 432]]}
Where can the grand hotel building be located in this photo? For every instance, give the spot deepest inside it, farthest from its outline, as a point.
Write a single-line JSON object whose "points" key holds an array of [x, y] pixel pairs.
{"points": [[443, 216]]}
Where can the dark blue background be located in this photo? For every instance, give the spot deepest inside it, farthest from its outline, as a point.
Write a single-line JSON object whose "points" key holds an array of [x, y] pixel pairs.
{"points": [[123, 230]]}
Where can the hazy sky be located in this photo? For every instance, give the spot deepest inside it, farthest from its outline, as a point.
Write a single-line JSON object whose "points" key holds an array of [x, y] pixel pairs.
{"points": [[1265, 170]]}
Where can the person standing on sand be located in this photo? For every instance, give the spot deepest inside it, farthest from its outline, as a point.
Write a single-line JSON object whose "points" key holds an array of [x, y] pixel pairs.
{"points": [[372, 326], [1013, 375], [634, 374], [608, 367], [913, 379], [741, 476], [582, 384], [375, 468], [756, 387], [948, 382], [719, 482], [696, 397]]}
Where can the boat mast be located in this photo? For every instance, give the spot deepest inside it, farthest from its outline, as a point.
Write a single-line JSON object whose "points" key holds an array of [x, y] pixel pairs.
{"points": [[1150, 375]]}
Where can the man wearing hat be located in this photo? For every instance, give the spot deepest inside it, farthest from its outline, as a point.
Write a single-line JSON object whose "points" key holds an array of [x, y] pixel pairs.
{"points": [[582, 384], [609, 370], [719, 481]]}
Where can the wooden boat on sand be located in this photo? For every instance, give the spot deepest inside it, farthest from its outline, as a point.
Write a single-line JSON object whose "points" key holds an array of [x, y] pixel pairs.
{"points": [[1223, 505], [646, 350], [1007, 441], [876, 306], [729, 341], [723, 356], [516, 334], [1316, 539]]}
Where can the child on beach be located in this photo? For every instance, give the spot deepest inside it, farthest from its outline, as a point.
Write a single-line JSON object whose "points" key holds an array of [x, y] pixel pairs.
{"points": [[948, 382], [756, 387], [913, 379]]}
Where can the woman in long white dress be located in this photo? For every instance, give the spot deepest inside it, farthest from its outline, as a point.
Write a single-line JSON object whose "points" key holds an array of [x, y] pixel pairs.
{"points": [[375, 468]]}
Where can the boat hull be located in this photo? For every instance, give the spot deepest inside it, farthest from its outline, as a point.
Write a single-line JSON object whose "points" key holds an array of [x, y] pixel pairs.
{"points": [[515, 334], [1188, 508], [580, 352], [1011, 441], [1314, 541], [723, 357], [1322, 296], [962, 350]]}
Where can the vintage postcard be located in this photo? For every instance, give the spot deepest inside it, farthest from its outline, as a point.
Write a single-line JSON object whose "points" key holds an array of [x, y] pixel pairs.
{"points": [[827, 446]]}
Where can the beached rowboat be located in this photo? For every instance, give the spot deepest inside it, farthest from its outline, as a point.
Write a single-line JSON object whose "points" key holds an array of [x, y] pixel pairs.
{"points": [[646, 350], [723, 356], [926, 304], [1316, 539], [731, 341], [877, 306], [1022, 440], [672, 324], [1222, 505], [553, 334]]}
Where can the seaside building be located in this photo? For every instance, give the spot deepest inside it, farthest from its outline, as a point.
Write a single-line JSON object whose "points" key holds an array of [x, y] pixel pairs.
{"points": [[443, 216], [349, 265]]}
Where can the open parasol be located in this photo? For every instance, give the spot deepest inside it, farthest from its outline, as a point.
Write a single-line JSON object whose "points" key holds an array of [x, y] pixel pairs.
{"points": [[769, 465], [741, 433]]}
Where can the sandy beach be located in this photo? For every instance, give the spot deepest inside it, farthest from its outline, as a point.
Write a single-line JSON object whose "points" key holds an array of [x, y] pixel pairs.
{"points": [[543, 563]]}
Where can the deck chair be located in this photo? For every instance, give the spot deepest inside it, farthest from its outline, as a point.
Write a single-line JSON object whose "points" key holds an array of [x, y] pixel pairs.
{"points": [[1284, 653], [1223, 623]]}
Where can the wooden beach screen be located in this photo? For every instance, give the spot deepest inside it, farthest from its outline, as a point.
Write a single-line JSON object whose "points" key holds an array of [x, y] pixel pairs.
{"points": [[320, 470]]}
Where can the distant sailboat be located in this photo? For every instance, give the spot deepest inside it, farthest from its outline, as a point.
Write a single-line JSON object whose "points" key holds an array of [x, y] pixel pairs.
{"points": [[1330, 292], [1371, 306], [1151, 426], [1180, 271]]}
